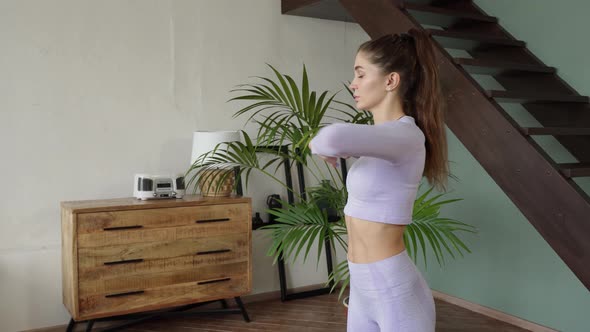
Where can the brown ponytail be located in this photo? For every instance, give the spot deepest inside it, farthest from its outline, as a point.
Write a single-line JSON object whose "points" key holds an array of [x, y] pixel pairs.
{"points": [[412, 56]]}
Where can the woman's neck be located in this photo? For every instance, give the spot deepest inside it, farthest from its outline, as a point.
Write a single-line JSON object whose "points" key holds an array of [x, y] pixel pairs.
{"points": [[388, 111]]}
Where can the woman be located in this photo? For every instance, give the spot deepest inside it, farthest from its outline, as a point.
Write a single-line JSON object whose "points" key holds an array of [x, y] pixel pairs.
{"points": [[396, 80]]}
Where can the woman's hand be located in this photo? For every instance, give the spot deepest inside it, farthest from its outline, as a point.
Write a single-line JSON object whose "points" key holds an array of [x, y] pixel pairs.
{"points": [[330, 160]]}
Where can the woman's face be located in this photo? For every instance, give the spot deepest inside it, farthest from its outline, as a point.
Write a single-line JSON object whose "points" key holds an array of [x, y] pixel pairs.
{"points": [[369, 85]]}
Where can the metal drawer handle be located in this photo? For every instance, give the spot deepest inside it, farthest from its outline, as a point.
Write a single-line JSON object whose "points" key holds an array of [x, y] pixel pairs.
{"points": [[121, 227], [211, 220], [212, 281], [125, 294], [213, 251], [124, 262]]}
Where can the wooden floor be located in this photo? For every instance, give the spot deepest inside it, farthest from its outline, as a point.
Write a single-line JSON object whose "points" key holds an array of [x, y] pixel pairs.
{"points": [[321, 313]]}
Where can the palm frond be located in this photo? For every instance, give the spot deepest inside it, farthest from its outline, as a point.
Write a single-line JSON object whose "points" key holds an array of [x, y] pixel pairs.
{"points": [[299, 226], [339, 277]]}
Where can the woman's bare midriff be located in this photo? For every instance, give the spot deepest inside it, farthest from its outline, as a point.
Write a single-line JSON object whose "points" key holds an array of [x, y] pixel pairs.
{"points": [[370, 241]]}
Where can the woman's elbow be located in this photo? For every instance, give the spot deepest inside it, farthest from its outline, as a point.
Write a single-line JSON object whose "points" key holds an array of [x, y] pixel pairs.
{"points": [[329, 141]]}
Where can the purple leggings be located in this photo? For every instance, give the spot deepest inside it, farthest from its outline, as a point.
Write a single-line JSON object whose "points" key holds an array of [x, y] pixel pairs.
{"points": [[389, 295]]}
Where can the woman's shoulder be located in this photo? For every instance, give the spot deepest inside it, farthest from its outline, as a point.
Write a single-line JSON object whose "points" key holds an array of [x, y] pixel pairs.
{"points": [[408, 125]]}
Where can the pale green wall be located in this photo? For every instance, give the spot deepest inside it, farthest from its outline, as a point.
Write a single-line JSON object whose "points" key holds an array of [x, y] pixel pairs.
{"points": [[512, 268], [555, 31]]}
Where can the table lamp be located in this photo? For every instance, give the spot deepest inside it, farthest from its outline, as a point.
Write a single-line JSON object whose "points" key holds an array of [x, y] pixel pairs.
{"points": [[210, 179]]}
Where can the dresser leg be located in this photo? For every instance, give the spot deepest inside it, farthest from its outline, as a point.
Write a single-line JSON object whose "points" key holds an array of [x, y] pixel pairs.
{"points": [[71, 325], [242, 308], [89, 325]]}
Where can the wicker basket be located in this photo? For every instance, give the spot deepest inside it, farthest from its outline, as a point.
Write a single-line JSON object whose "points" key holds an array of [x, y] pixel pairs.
{"points": [[210, 179]]}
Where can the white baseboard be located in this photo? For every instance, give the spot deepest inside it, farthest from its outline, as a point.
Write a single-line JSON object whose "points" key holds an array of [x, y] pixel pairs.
{"points": [[493, 313]]}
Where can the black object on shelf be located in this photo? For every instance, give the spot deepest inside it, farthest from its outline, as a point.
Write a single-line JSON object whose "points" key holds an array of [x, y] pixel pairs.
{"points": [[285, 296], [257, 221], [272, 202]]}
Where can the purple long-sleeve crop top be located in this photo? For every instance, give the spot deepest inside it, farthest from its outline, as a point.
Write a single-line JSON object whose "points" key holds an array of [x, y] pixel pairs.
{"points": [[382, 184]]}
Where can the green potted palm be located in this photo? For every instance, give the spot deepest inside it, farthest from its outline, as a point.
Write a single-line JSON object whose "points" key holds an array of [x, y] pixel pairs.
{"points": [[290, 115]]}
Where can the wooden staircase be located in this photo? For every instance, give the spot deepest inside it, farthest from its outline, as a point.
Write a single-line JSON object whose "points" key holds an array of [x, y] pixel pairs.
{"points": [[542, 189]]}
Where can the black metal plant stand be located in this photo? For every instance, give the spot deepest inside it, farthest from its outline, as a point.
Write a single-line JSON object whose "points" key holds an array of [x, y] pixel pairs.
{"points": [[285, 294], [175, 312]]}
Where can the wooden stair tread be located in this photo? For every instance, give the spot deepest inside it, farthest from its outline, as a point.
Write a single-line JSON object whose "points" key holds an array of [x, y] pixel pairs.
{"points": [[571, 170], [555, 131], [473, 36], [322, 9], [470, 41], [427, 14], [526, 97], [437, 3], [478, 66], [424, 7]]}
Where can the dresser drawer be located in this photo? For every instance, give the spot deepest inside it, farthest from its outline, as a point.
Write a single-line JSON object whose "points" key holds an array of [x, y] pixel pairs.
{"points": [[163, 234], [132, 268], [138, 252], [95, 306], [101, 222], [115, 284], [161, 225]]}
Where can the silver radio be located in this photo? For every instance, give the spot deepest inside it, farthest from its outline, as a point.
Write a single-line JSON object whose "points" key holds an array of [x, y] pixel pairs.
{"points": [[158, 186]]}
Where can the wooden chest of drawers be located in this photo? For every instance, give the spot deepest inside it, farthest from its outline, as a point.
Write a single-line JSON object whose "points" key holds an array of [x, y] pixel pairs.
{"points": [[123, 256]]}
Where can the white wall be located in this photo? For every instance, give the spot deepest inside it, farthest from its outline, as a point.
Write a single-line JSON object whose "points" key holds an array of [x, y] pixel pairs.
{"points": [[95, 91]]}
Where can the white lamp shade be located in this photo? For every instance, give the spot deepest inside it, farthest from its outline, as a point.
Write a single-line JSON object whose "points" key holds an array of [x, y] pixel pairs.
{"points": [[205, 141]]}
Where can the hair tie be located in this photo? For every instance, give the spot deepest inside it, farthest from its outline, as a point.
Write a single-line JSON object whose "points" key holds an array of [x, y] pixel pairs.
{"points": [[406, 37]]}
